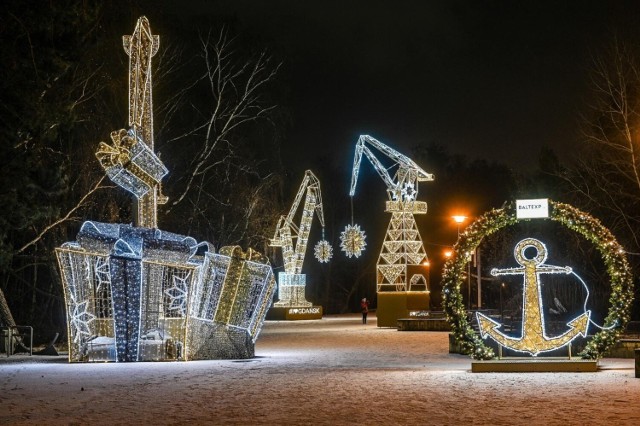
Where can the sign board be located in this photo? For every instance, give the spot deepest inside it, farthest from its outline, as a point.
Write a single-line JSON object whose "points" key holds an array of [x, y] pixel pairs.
{"points": [[529, 209], [306, 313]]}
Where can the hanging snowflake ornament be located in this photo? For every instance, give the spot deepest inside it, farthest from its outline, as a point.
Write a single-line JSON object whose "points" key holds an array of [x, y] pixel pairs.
{"points": [[323, 251], [352, 240]]}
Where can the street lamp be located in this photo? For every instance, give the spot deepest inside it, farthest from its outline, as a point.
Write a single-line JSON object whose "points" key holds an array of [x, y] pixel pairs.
{"points": [[459, 219]]}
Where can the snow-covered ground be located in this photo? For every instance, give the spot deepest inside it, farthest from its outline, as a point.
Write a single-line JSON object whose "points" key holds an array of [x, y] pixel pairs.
{"points": [[332, 371]]}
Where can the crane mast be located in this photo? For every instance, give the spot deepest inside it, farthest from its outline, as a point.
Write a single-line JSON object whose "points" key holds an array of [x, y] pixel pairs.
{"points": [[402, 245], [292, 281]]}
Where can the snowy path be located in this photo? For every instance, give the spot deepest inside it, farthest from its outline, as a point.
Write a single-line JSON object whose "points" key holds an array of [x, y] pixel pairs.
{"points": [[333, 371]]}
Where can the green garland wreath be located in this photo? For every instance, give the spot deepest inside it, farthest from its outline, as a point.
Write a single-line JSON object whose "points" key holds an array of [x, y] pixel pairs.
{"points": [[612, 253]]}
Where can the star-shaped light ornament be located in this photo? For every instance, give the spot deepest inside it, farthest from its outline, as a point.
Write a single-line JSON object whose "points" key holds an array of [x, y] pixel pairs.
{"points": [[80, 320], [178, 294], [352, 240], [396, 193], [409, 192], [102, 274], [323, 251]]}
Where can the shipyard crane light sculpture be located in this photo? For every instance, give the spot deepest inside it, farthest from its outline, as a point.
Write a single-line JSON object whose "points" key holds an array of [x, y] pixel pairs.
{"points": [[402, 246], [292, 282]]}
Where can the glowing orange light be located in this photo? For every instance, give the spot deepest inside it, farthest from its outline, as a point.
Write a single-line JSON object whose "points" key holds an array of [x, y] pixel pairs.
{"points": [[459, 219]]}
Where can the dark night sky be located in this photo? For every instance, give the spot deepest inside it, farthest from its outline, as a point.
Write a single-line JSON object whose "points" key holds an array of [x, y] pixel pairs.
{"points": [[493, 80]]}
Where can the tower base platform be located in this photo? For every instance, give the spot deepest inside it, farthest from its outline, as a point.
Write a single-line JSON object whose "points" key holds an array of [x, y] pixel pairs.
{"points": [[535, 365], [293, 313], [394, 305]]}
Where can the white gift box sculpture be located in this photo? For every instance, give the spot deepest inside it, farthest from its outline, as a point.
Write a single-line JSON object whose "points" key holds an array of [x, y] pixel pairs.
{"points": [[137, 294]]}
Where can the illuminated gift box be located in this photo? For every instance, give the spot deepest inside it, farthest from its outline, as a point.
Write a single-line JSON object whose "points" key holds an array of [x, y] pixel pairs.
{"points": [[230, 303], [130, 163], [138, 294]]}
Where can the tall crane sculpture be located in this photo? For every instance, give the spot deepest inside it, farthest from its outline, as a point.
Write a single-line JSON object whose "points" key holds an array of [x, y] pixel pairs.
{"points": [[402, 245], [292, 282]]}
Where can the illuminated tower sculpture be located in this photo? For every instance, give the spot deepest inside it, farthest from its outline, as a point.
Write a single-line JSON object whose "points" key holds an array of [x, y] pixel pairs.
{"points": [[131, 162], [401, 287], [141, 46], [292, 282]]}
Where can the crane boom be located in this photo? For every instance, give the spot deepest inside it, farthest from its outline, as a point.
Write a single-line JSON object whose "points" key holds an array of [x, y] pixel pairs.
{"points": [[407, 173], [309, 182]]}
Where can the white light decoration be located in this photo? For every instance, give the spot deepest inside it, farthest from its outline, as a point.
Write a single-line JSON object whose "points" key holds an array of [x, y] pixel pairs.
{"points": [[292, 283], [533, 338], [178, 294], [143, 294], [80, 320], [409, 193], [323, 251], [131, 162], [352, 240], [402, 245], [178, 301]]}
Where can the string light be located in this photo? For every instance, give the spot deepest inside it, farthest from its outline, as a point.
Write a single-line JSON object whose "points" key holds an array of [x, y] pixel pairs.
{"points": [[130, 163], [612, 253], [81, 320]]}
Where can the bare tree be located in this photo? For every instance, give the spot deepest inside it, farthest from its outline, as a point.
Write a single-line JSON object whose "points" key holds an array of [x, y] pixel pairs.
{"points": [[236, 99], [606, 178], [221, 187]]}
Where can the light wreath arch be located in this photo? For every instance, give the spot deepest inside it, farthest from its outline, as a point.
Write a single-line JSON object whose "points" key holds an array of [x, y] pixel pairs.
{"points": [[612, 253]]}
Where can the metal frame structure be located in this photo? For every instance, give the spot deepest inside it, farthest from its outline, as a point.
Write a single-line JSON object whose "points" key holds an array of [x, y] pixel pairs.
{"points": [[16, 333]]}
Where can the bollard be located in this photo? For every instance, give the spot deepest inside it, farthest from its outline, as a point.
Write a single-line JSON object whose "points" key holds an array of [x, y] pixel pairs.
{"points": [[637, 363]]}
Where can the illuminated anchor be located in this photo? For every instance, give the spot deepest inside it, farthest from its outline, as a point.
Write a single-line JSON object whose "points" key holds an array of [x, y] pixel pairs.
{"points": [[534, 339]]}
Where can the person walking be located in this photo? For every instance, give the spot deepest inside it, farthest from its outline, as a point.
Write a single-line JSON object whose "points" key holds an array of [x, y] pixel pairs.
{"points": [[364, 306]]}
